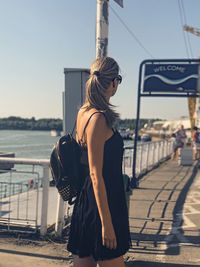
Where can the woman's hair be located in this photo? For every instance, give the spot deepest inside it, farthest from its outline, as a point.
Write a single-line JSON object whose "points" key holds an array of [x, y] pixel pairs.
{"points": [[102, 72]]}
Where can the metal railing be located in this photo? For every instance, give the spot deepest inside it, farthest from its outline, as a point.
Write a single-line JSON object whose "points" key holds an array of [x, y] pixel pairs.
{"points": [[25, 204], [149, 155], [24, 195]]}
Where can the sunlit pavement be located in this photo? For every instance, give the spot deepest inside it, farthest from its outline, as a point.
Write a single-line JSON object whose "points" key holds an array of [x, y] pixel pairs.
{"points": [[164, 221], [165, 218]]}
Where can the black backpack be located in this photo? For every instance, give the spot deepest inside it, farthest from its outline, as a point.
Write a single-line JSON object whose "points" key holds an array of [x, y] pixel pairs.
{"points": [[66, 167], [69, 165]]}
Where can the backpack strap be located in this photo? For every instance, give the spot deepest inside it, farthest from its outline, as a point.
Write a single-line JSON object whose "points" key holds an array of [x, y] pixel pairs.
{"points": [[81, 140]]}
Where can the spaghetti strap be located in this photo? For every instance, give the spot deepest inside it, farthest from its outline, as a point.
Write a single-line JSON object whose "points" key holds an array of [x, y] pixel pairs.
{"points": [[81, 140]]}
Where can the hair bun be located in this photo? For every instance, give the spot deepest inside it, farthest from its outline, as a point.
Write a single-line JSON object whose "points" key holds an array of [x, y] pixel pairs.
{"points": [[96, 73]]}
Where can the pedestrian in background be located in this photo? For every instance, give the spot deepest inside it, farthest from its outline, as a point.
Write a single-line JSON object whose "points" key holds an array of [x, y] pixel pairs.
{"points": [[181, 138], [99, 230], [196, 143], [174, 146]]}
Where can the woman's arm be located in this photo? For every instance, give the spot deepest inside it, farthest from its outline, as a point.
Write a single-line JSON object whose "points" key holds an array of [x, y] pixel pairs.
{"points": [[95, 137]]}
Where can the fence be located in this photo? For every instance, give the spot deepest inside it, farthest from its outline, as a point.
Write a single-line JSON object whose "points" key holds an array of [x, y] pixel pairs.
{"points": [[149, 155], [24, 195], [28, 204]]}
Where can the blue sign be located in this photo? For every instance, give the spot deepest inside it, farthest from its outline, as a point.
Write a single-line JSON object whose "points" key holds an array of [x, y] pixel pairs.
{"points": [[171, 78]]}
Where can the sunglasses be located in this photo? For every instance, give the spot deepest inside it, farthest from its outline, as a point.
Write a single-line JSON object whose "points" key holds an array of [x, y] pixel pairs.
{"points": [[118, 79]]}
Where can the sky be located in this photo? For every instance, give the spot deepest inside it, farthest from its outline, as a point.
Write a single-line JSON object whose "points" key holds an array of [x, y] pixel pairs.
{"points": [[39, 38]]}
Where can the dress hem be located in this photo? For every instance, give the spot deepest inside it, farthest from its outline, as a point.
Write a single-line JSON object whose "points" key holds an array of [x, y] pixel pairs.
{"points": [[120, 253]]}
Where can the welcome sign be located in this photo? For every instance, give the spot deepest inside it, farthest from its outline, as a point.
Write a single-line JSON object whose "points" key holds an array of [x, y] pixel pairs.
{"points": [[171, 78]]}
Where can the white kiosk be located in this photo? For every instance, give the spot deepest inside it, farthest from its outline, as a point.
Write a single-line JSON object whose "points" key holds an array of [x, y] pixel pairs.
{"points": [[73, 96]]}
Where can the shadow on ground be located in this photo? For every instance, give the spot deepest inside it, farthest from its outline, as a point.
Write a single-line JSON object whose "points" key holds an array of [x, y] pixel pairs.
{"points": [[177, 235], [155, 264]]}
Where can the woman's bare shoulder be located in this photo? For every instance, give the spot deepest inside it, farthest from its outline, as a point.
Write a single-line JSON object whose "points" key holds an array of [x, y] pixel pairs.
{"points": [[96, 118]]}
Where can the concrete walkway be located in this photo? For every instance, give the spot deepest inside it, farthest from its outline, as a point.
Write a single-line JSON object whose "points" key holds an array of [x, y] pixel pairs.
{"points": [[164, 222], [164, 218]]}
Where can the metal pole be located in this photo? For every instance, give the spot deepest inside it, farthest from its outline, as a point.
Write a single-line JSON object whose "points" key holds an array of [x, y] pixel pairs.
{"points": [[147, 159], [134, 181], [45, 197], [59, 216], [102, 28]]}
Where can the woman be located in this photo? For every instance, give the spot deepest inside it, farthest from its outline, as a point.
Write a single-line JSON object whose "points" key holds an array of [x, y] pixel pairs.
{"points": [[180, 140], [99, 231], [196, 143]]}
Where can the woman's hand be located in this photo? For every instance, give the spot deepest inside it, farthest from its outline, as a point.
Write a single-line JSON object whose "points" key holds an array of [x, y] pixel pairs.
{"points": [[108, 236]]}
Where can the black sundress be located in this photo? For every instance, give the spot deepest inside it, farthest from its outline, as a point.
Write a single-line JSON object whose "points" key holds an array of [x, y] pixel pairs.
{"points": [[85, 236]]}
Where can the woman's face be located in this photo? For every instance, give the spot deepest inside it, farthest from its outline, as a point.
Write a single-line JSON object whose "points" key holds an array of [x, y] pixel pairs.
{"points": [[112, 89], [115, 83]]}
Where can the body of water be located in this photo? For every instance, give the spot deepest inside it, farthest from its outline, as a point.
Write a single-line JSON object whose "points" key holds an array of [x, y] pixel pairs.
{"points": [[29, 144], [25, 144]]}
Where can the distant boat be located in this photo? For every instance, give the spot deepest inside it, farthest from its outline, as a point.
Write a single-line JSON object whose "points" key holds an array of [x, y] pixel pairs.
{"points": [[55, 133], [146, 138], [126, 133]]}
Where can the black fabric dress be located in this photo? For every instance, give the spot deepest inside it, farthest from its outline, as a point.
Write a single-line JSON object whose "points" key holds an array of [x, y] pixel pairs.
{"points": [[85, 237]]}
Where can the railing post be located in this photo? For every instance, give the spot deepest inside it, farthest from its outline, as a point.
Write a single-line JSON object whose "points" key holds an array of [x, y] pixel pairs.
{"points": [[137, 161], [59, 216], [159, 152], [124, 163], [147, 159], [169, 148], [154, 153], [141, 161], [45, 197], [164, 149], [159, 146]]}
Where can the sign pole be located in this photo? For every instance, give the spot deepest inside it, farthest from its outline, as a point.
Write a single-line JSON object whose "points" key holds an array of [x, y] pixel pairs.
{"points": [[134, 181]]}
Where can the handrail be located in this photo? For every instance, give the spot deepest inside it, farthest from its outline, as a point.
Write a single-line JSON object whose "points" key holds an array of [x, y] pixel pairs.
{"points": [[149, 155], [25, 161]]}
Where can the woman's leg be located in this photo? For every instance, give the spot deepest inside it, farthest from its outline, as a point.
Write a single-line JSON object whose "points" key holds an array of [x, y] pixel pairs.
{"points": [[198, 154], [179, 154], [83, 262], [176, 154], [117, 262]]}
